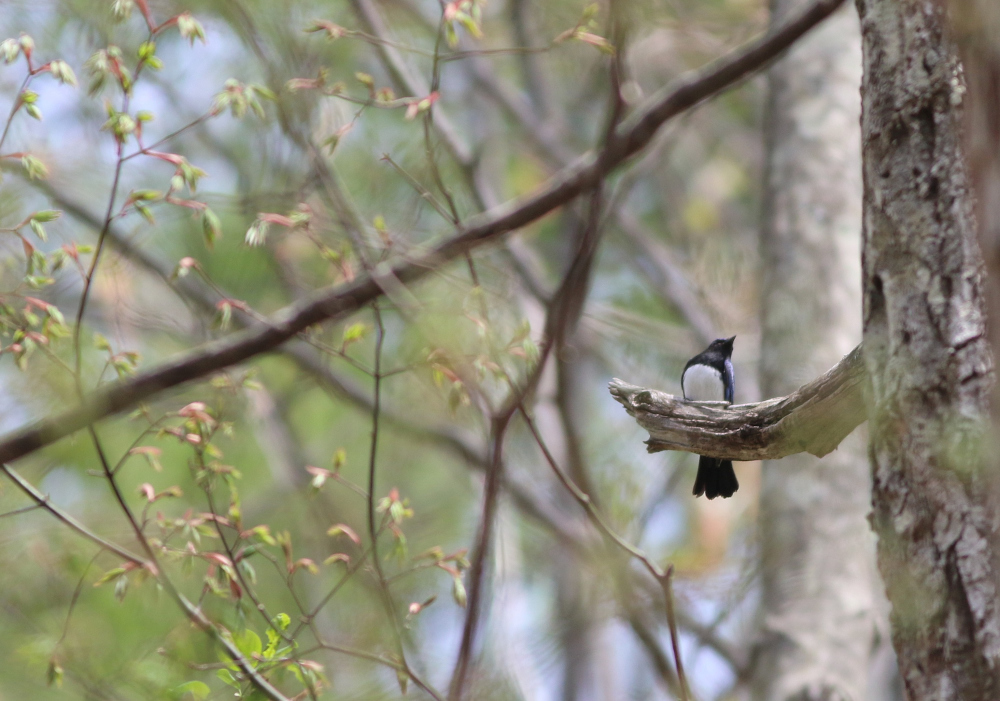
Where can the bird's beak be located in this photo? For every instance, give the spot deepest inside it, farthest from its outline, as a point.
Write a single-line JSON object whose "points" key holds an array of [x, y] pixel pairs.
{"points": [[729, 341]]}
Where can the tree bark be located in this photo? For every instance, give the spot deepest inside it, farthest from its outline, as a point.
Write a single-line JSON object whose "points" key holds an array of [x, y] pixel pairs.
{"points": [[818, 612], [814, 419], [928, 358]]}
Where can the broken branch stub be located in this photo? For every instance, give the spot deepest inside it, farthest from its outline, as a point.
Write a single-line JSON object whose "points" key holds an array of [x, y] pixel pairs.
{"points": [[813, 419]]}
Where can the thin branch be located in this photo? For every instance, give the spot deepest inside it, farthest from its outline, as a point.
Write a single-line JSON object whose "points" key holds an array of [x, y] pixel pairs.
{"points": [[814, 419], [42, 501], [663, 577], [22, 510], [491, 495]]}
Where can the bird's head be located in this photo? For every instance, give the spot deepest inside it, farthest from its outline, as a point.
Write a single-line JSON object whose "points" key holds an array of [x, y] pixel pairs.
{"points": [[725, 345]]}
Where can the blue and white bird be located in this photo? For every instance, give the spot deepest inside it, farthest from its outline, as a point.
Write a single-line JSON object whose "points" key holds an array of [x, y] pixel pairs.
{"points": [[709, 377]]}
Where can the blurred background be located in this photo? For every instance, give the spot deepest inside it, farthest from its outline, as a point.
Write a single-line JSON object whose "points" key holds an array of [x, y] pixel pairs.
{"points": [[356, 171]]}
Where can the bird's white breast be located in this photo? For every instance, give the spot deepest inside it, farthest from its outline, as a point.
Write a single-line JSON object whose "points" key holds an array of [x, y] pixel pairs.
{"points": [[703, 383]]}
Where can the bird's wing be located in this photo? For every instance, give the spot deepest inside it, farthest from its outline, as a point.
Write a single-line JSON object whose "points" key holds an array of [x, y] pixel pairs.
{"points": [[730, 381]]}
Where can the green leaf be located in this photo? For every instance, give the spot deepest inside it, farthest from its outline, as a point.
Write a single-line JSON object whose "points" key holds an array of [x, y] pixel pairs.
{"points": [[146, 50], [264, 92], [46, 215], [530, 351], [61, 71], [121, 588], [198, 690], [109, 575], [211, 226], [257, 233], [190, 28], [10, 50], [38, 229], [458, 592], [226, 676], [355, 332], [55, 314], [339, 458], [122, 9], [273, 638], [54, 674], [35, 168], [248, 643]]}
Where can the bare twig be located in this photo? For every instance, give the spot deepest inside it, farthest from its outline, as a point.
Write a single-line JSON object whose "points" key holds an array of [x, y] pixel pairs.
{"points": [[663, 577], [43, 501], [498, 430]]}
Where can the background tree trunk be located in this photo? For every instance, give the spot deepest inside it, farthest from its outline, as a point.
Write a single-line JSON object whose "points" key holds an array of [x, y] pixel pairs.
{"points": [[928, 358], [818, 611]]}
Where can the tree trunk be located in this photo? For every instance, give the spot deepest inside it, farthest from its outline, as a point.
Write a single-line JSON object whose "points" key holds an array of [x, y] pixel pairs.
{"points": [[818, 612], [928, 358]]}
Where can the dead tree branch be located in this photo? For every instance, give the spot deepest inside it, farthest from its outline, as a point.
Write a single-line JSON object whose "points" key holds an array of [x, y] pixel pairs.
{"points": [[813, 419]]}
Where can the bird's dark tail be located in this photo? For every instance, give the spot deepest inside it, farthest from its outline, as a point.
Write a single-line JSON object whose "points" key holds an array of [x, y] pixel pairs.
{"points": [[716, 478]]}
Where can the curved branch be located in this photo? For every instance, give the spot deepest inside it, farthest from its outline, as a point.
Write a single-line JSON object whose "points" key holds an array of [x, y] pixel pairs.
{"points": [[814, 419]]}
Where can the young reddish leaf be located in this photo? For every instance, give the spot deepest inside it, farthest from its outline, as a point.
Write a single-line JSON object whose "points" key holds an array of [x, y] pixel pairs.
{"points": [[333, 31], [320, 476], [306, 563], [217, 558], [278, 219], [262, 533], [168, 157], [343, 529], [416, 607], [197, 411], [602, 44], [151, 454]]}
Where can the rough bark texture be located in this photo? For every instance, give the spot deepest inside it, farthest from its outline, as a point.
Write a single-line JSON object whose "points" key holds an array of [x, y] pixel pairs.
{"points": [[818, 603], [928, 358], [814, 418], [975, 26]]}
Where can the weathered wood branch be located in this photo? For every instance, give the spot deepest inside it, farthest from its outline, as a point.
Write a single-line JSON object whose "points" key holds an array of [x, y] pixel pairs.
{"points": [[813, 419]]}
